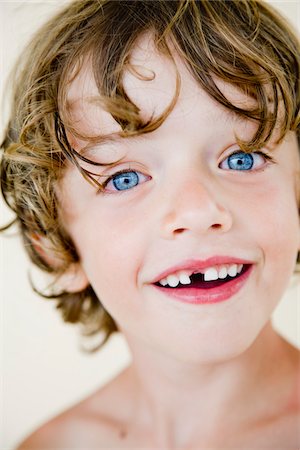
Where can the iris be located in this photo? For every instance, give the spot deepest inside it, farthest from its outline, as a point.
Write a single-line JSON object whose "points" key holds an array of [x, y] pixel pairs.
{"points": [[125, 180], [240, 161]]}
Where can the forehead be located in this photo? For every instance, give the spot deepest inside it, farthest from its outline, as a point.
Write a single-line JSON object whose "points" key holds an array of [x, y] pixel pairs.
{"points": [[150, 83]]}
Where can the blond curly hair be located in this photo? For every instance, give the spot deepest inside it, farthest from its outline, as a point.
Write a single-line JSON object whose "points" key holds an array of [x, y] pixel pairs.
{"points": [[243, 42]]}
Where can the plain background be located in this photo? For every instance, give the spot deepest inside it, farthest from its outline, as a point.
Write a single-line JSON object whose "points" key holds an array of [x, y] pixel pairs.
{"points": [[43, 369]]}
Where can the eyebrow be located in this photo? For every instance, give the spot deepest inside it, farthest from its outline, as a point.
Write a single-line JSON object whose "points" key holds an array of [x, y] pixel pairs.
{"points": [[114, 138], [108, 143]]}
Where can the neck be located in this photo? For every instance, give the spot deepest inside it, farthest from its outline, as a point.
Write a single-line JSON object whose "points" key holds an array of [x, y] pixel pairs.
{"points": [[175, 399]]}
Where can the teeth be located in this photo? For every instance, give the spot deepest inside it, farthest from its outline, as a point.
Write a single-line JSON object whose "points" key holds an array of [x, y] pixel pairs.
{"points": [[211, 274], [173, 280], [223, 272], [184, 278], [232, 271]]}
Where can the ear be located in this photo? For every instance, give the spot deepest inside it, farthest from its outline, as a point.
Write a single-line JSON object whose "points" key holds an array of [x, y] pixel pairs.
{"points": [[74, 279]]}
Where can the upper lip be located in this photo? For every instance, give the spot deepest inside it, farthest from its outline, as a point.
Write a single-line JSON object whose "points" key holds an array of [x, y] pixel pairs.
{"points": [[195, 265]]}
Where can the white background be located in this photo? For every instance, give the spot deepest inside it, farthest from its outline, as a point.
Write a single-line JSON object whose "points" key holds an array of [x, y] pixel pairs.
{"points": [[43, 370]]}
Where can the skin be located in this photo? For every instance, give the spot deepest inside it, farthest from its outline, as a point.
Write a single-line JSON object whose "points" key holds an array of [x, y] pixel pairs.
{"points": [[202, 376]]}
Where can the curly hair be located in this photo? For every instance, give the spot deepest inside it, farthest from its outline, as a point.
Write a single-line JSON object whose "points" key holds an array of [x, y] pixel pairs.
{"points": [[242, 42]]}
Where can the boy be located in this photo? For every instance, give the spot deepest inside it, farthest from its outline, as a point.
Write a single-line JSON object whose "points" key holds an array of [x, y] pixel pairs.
{"points": [[186, 113]]}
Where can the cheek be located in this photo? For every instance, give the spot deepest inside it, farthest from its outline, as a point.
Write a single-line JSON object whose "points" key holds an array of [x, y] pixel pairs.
{"points": [[269, 220], [283, 222], [275, 229], [111, 254], [270, 211]]}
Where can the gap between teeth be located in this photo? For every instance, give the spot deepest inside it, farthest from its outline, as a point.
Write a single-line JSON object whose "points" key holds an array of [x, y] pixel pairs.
{"points": [[210, 274]]}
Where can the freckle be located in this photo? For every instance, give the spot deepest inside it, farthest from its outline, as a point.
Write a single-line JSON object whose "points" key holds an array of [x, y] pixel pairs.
{"points": [[123, 434]]}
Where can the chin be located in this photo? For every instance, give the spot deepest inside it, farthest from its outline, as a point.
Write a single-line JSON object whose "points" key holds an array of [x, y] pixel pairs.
{"points": [[214, 349]]}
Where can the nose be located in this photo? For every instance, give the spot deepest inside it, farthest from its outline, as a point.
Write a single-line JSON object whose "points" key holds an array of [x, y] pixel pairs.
{"points": [[194, 207]]}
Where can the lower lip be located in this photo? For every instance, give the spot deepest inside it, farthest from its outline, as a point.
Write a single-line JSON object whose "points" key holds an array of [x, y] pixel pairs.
{"points": [[207, 296]]}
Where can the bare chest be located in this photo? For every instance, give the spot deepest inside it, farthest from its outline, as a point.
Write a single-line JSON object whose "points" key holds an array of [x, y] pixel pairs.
{"points": [[283, 435]]}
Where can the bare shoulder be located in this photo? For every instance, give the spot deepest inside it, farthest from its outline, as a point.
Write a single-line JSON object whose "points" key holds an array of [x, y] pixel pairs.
{"points": [[283, 425], [65, 430], [53, 434], [289, 420], [93, 423], [283, 432]]}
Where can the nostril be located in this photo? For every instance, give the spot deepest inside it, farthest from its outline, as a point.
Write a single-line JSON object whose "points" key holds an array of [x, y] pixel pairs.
{"points": [[179, 230], [188, 218], [216, 226]]}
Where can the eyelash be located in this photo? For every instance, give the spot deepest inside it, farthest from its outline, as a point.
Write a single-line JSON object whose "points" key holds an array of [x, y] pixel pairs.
{"points": [[114, 175], [268, 159], [266, 156]]}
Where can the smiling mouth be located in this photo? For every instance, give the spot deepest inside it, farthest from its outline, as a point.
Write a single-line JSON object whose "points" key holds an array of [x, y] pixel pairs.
{"points": [[197, 281]]}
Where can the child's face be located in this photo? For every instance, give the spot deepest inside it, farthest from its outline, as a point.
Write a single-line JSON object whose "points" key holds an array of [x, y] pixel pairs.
{"points": [[185, 200]]}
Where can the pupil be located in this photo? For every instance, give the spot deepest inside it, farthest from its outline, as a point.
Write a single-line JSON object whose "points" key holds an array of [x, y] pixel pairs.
{"points": [[240, 161], [125, 181]]}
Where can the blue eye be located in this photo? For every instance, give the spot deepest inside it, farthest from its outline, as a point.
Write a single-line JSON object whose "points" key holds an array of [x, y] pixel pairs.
{"points": [[126, 180], [243, 161], [123, 181]]}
